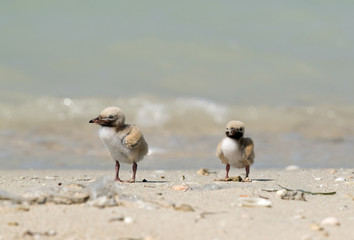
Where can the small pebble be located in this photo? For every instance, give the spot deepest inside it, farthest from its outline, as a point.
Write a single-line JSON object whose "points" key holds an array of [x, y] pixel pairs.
{"points": [[203, 171], [318, 179], [51, 233], [316, 227], [13, 223], [331, 221], [128, 220]]}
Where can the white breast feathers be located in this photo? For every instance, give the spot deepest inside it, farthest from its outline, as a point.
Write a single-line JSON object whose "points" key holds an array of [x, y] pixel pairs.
{"points": [[232, 153]]}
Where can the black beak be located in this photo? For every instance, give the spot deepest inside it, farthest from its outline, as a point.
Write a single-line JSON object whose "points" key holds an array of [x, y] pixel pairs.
{"points": [[94, 120], [234, 133]]}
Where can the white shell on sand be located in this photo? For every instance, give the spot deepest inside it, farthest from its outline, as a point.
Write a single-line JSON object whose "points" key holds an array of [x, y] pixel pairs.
{"points": [[281, 193], [340, 179], [330, 221], [254, 202], [292, 168], [128, 220]]}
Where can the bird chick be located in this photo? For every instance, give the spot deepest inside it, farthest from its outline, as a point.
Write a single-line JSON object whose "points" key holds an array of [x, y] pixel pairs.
{"points": [[234, 149], [124, 142]]}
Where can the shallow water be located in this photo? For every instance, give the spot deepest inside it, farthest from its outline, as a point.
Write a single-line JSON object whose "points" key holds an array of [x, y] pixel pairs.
{"points": [[180, 72], [182, 133]]}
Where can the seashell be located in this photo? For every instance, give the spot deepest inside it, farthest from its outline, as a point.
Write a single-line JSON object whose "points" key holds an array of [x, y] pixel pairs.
{"points": [[281, 193], [180, 187], [340, 179], [254, 202], [332, 221]]}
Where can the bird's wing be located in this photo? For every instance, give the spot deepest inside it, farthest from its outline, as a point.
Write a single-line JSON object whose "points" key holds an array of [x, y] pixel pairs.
{"points": [[133, 137], [220, 154], [247, 149]]}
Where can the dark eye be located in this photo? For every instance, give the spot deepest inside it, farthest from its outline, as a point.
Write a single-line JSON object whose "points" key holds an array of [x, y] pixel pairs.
{"points": [[241, 129], [110, 116], [227, 129]]}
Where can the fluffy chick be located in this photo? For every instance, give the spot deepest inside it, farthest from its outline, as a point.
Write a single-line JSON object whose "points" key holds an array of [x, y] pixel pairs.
{"points": [[124, 142], [234, 149]]}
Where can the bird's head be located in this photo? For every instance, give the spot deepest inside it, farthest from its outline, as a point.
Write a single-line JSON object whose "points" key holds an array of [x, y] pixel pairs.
{"points": [[110, 117], [235, 129]]}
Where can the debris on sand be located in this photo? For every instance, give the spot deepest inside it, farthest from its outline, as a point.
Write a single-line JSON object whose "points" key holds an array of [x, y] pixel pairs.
{"points": [[203, 171], [308, 192], [291, 195], [230, 179], [101, 193], [184, 207], [127, 220], [38, 235], [318, 228]]}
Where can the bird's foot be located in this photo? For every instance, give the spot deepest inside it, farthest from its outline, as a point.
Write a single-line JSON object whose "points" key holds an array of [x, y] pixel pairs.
{"points": [[117, 180], [131, 180], [230, 179], [246, 179]]}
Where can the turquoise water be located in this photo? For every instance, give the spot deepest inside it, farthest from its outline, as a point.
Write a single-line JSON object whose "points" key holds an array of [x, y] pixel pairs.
{"points": [[180, 71]]}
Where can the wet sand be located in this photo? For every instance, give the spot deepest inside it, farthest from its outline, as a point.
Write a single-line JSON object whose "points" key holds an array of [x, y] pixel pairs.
{"points": [[207, 209]]}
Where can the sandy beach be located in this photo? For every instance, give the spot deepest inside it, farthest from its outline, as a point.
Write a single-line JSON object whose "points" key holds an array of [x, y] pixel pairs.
{"points": [[176, 205]]}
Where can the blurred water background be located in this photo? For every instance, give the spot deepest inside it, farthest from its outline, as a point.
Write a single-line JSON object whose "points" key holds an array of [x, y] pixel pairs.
{"points": [[180, 71]]}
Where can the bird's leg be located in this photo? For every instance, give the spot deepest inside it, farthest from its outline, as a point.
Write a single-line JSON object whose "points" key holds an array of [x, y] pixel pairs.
{"points": [[117, 172], [247, 173], [227, 168], [134, 167]]}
